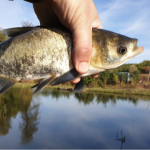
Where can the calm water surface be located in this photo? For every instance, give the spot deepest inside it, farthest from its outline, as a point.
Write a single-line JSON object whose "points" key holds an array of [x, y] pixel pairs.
{"points": [[60, 119]]}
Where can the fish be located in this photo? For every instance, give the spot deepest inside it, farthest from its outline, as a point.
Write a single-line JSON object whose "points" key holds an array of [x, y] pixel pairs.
{"points": [[46, 53]]}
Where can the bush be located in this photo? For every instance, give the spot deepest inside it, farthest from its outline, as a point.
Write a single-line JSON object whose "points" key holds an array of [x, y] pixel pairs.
{"points": [[135, 75]]}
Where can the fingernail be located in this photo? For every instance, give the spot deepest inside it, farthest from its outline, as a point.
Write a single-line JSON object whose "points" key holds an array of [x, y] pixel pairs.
{"points": [[83, 67]]}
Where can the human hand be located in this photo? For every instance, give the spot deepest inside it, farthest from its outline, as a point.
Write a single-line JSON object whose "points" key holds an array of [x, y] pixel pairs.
{"points": [[79, 16]]}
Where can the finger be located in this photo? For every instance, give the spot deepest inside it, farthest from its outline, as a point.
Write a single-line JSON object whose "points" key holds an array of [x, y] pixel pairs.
{"points": [[96, 75], [76, 80], [82, 48]]}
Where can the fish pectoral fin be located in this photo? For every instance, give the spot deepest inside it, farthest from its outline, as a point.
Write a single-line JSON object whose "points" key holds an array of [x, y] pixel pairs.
{"points": [[79, 86], [43, 83], [68, 76], [5, 84], [12, 32]]}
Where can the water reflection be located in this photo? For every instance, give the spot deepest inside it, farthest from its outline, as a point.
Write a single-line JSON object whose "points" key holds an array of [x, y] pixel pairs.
{"points": [[30, 120], [88, 98], [19, 101], [85, 120], [121, 139]]}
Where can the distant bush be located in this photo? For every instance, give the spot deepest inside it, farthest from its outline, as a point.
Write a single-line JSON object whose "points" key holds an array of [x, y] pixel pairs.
{"points": [[135, 75]]}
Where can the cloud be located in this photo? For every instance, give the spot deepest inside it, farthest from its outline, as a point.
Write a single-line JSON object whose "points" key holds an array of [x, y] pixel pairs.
{"points": [[12, 13]]}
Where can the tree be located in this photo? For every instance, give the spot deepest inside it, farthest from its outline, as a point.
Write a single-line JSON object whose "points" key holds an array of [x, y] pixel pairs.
{"points": [[113, 78], [88, 80], [132, 68], [104, 77], [26, 24], [134, 72], [135, 75]]}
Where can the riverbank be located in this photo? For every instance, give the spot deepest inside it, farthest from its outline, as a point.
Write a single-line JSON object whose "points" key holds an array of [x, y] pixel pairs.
{"points": [[119, 91], [128, 91]]}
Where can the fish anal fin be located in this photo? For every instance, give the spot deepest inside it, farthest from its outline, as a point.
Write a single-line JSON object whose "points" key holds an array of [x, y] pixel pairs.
{"points": [[79, 86], [5, 84], [43, 83]]}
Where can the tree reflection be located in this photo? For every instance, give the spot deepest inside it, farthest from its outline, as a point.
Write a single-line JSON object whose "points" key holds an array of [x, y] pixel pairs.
{"points": [[5, 125], [101, 98], [4, 122], [30, 122], [11, 103], [86, 98], [55, 93]]}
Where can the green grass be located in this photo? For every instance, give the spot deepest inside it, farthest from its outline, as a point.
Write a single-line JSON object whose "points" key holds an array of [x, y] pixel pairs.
{"points": [[119, 91], [130, 91]]}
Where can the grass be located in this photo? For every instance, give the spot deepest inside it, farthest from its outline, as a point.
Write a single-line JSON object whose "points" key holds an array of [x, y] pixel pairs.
{"points": [[114, 90], [119, 91]]}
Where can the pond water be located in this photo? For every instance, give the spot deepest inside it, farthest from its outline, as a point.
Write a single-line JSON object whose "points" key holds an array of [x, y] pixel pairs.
{"points": [[60, 119]]}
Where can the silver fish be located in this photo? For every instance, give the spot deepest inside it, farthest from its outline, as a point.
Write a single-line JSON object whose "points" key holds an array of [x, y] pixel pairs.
{"points": [[45, 53]]}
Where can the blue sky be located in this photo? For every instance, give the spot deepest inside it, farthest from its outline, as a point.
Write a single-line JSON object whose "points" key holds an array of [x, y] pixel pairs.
{"points": [[127, 17]]}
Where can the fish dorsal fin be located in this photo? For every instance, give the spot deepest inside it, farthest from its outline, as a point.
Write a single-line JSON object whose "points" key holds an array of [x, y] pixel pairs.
{"points": [[5, 84], [12, 32]]}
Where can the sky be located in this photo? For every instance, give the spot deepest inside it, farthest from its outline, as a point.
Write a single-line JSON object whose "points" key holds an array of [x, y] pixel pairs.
{"points": [[127, 17]]}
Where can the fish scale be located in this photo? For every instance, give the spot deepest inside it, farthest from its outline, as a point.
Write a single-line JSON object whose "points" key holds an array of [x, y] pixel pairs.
{"points": [[40, 60]]}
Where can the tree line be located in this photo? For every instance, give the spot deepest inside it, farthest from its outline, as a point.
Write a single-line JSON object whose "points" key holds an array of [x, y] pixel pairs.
{"points": [[114, 76]]}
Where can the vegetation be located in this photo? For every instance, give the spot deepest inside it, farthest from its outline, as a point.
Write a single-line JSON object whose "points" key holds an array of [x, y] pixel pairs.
{"points": [[112, 77], [3, 37]]}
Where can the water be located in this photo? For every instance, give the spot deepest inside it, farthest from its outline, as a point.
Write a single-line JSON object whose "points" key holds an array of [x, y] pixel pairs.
{"points": [[59, 119]]}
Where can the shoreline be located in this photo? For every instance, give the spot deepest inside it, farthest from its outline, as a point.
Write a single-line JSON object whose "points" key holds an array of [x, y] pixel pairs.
{"points": [[129, 91]]}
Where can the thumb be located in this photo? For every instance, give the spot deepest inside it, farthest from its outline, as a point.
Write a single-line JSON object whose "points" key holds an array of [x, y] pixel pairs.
{"points": [[82, 48]]}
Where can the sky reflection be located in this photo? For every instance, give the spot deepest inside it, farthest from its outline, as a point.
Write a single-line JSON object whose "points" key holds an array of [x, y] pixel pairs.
{"points": [[56, 119]]}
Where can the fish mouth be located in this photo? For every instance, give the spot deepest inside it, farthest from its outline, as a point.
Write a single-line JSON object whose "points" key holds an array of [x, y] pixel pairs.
{"points": [[137, 51]]}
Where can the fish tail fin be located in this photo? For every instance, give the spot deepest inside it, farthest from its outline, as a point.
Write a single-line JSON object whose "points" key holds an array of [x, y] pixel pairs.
{"points": [[5, 84]]}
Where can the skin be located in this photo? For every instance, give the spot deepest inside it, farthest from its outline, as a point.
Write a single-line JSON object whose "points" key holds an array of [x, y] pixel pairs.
{"points": [[79, 16]]}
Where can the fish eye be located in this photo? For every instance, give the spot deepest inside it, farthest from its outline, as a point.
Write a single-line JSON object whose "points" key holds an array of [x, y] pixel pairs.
{"points": [[122, 49]]}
